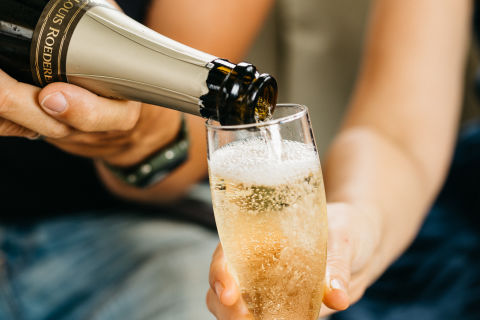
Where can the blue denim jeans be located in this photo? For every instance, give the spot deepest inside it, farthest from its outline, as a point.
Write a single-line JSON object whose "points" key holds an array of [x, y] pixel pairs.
{"points": [[94, 267], [438, 277]]}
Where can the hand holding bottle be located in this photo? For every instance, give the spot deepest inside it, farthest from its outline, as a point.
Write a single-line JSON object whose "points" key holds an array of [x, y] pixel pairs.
{"points": [[80, 122], [20, 113], [97, 47], [170, 64]]}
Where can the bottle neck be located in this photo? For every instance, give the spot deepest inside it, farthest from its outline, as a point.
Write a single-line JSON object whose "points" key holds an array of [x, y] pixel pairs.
{"points": [[238, 94], [93, 45]]}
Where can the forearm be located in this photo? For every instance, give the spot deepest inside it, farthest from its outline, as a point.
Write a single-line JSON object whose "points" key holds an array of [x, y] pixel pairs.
{"points": [[391, 156], [385, 184], [176, 183], [224, 29]]}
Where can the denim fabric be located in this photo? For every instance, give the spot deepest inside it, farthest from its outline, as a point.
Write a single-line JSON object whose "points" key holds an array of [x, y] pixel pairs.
{"points": [[438, 277], [119, 267]]}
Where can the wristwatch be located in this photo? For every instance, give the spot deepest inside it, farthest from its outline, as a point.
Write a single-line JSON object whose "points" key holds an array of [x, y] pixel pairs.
{"points": [[156, 167]]}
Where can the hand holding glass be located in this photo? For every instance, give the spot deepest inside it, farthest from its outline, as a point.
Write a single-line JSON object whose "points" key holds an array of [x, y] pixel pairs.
{"points": [[270, 211]]}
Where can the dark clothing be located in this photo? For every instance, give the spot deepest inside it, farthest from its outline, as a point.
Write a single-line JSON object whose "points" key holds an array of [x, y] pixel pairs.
{"points": [[135, 9], [37, 178], [438, 277]]}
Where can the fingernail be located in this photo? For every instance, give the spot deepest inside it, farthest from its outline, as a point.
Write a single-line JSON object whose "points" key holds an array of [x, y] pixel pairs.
{"points": [[337, 285], [218, 289], [55, 102]]}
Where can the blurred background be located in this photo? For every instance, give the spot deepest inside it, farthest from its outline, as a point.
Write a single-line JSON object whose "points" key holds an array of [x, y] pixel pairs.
{"points": [[313, 48]]}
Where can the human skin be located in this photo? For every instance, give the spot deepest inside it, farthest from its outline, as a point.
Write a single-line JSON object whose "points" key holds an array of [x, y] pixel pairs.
{"points": [[390, 158], [123, 133]]}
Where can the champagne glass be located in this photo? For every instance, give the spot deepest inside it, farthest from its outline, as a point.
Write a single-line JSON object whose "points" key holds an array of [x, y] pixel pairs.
{"points": [[270, 210]]}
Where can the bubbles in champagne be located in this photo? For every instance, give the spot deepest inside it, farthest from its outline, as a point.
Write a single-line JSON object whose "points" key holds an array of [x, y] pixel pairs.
{"points": [[251, 161], [270, 213]]}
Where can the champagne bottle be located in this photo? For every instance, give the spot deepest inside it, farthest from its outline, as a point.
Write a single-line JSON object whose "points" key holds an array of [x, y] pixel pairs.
{"points": [[91, 44]]}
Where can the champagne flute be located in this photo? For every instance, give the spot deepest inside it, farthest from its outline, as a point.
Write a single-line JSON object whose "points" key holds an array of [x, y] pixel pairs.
{"points": [[270, 210]]}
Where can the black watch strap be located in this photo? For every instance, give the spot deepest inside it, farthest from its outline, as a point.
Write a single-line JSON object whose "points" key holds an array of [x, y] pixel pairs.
{"points": [[156, 167]]}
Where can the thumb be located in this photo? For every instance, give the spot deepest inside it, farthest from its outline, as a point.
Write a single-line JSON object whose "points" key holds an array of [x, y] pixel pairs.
{"points": [[338, 271], [86, 111]]}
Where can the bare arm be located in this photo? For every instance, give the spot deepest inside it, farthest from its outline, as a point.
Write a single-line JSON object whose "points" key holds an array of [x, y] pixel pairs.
{"points": [[391, 156], [222, 28]]}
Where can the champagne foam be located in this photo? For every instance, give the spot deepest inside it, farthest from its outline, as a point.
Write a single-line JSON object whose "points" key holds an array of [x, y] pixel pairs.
{"points": [[252, 161]]}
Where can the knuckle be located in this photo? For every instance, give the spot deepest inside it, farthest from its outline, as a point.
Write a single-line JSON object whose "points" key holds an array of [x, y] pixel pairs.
{"points": [[340, 272], [338, 264]]}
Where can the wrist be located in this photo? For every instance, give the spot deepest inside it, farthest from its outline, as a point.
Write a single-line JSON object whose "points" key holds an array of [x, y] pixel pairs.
{"points": [[157, 165], [155, 129]]}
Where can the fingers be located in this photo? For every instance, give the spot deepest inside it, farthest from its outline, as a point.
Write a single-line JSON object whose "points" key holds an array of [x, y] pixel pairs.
{"points": [[221, 281], [86, 111], [237, 311], [18, 104], [339, 259], [10, 129], [53, 111], [337, 278], [223, 297]]}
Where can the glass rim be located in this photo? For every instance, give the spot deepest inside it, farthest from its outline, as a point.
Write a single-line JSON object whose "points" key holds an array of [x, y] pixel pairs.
{"points": [[289, 118]]}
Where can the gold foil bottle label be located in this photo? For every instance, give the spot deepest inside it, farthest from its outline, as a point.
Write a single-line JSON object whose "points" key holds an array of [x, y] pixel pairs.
{"points": [[51, 38]]}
